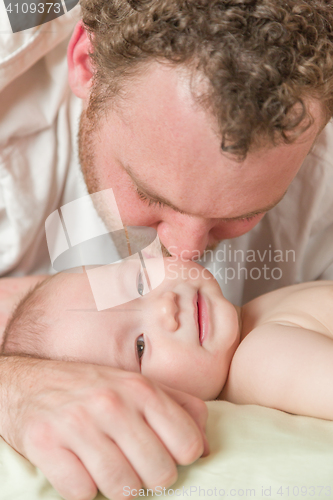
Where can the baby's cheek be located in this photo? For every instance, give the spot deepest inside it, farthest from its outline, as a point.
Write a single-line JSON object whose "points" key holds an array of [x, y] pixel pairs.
{"points": [[218, 373], [202, 376], [182, 371], [214, 373]]}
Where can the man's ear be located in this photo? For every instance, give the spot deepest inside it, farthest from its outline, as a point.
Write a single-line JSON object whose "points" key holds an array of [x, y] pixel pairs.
{"points": [[80, 70]]}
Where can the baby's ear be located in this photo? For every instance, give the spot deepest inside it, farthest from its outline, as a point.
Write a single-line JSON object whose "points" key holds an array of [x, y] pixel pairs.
{"points": [[80, 71]]}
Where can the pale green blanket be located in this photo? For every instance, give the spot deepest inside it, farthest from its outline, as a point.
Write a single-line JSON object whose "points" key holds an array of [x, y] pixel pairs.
{"points": [[255, 453]]}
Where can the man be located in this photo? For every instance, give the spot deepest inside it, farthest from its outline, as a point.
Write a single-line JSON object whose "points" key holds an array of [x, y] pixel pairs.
{"points": [[199, 115]]}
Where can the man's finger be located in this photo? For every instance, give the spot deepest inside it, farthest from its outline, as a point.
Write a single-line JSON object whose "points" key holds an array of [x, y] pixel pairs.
{"points": [[105, 462], [180, 431], [194, 407], [67, 475], [146, 452]]}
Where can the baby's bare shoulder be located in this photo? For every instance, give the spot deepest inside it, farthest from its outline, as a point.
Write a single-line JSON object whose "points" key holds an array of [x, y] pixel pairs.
{"points": [[308, 305]]}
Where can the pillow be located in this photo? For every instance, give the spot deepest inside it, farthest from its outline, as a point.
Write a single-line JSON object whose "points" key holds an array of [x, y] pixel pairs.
{"points": [[255, 453]]}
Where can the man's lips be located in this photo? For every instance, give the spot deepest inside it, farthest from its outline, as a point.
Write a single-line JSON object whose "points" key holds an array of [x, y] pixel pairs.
{"points": [[202, 317]]}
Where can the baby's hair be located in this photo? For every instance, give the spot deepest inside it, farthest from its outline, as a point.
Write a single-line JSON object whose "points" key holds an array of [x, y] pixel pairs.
{"points": [[24, 330]]}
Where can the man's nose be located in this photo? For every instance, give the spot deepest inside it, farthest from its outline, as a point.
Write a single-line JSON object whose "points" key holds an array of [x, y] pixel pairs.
{"points": [[167, 309], [185, 235]]}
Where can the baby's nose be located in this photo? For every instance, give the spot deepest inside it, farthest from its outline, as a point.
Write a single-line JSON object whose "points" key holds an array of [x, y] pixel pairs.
{"points": [[168, 311]]}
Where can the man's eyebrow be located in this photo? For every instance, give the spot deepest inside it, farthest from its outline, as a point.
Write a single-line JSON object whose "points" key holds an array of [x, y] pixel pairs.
{"points": [[147, 192]]}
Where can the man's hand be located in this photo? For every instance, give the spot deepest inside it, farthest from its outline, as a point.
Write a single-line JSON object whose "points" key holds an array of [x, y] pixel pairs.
{"points": [[90, 427]]}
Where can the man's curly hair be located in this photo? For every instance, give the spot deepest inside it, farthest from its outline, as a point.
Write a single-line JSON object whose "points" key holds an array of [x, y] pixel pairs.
{"points": [[262, 58]]}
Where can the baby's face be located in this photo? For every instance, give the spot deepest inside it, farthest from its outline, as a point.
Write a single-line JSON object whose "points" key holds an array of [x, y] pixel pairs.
{"points": [[182, 334]]}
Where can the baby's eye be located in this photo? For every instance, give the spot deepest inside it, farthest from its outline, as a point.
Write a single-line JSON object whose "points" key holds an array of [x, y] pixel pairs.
{"points": [[140, 283], [140, 346]]}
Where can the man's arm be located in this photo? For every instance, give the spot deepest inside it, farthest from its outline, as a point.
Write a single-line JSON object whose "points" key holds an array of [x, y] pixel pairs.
{"points": [[284, 367], [89, 427], [11, 292]]}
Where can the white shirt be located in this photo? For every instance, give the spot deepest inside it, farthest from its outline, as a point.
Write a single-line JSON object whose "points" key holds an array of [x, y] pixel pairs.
{"points": [[39, 168], [39, 172]]}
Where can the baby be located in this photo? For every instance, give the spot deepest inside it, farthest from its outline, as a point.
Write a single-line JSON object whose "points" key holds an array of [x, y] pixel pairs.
{"points": [[275, 351]]}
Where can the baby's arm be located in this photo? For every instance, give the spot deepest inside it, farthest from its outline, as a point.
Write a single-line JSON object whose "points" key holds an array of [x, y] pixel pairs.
{"points": [[284, 367]]}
